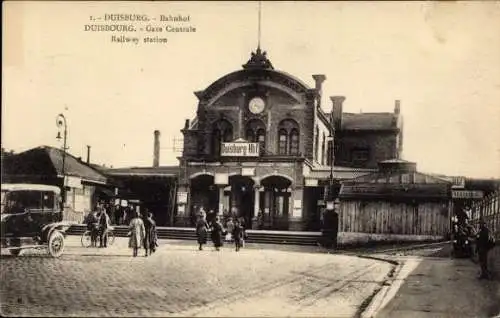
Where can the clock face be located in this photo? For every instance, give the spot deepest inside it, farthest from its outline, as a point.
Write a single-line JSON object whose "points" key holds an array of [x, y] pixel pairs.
{"points": [[256, 105]]}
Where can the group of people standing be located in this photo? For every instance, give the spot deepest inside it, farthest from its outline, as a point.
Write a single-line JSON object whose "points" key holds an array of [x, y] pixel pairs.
{"points": [[98, 223], [233, 231], [466, 236], [142, 229]]}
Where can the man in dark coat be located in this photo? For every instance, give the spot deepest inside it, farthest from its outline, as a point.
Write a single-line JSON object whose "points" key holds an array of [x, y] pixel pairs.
{"points": [[484, 244], [217, 233], [150, 233], [93, 227], [104, 224]]}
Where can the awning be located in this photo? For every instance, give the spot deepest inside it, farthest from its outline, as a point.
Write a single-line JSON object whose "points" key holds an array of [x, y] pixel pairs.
{"points": [[339, 175]]}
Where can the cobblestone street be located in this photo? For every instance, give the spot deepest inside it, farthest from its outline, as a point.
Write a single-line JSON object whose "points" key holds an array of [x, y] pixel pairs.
{"points": [[179, 280]]}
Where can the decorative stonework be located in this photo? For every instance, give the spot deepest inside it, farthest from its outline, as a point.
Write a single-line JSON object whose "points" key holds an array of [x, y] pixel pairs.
{"points": [[258, 60]]}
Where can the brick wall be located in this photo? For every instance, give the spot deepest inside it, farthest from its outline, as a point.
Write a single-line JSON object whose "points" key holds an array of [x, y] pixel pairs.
{"points": [[233, 107], [382, 146]]}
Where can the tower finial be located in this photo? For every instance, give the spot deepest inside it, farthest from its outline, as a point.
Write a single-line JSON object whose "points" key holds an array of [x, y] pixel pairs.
{"points": [[258, 42]]}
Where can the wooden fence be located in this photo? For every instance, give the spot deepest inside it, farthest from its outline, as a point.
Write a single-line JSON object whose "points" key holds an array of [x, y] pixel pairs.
{"points": [[426, 218], [488, 209]]}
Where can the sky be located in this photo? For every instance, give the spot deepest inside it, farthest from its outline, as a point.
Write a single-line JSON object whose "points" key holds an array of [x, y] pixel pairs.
{"points": [[441, 59]]}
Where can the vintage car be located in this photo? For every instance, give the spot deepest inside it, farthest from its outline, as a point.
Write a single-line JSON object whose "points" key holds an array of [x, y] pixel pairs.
{"points": [[32, 218]]}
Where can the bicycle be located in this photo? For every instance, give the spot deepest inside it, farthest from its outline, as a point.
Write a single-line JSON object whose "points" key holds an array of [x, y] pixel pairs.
{"points": [[86, 238]]}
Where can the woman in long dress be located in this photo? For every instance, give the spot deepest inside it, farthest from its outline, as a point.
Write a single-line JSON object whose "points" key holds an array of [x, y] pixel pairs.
{"points": [[137, 233], [217, 233]]}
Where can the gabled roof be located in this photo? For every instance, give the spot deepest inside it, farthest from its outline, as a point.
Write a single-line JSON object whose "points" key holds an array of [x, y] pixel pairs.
{"points": [[46, 161], [395, 184], [369, 121]]}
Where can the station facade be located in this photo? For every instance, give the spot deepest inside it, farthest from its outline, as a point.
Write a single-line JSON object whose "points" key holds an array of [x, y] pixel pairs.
{"points": [[261, 143]]}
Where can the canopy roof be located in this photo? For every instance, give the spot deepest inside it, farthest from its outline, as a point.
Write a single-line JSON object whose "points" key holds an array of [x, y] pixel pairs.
{"points": [[47, 161]]}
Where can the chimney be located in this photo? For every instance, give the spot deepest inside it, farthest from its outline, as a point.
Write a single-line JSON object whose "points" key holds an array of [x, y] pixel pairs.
{"points": [[88, 154], [156, 151], [336, 115], [397, 107], [186, 124], [319, 79]]}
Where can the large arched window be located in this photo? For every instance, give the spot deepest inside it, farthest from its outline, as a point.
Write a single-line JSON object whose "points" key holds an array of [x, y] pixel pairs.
{"points": [[288, 137], [256, 132], [282, 142], [222, 132]]}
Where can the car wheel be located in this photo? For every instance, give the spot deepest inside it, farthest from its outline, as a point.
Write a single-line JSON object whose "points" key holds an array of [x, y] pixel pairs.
{"points": [[15, 252], [56, 244]]}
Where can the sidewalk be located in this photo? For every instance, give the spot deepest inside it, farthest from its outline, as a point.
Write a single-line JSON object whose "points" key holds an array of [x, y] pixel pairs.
{"points": [[444, 287]]}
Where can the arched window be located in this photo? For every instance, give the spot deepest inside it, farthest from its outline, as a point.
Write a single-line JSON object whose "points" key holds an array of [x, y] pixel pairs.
{"points": [[256, 132], [250, 135], [216, 140], [283, 142], [294, 142], [288, 137], [222, 132], [261, 139]]}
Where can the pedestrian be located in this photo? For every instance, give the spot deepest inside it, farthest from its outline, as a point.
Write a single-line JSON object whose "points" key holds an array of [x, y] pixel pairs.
{"points": [[260, 220], [136, 233], [210, 217], [201, 230], [150, 233], [237, 235], [92, 221], [125, 215], [244, 231], [217, 233], [104, 225], [229, 227], [485, 242]]}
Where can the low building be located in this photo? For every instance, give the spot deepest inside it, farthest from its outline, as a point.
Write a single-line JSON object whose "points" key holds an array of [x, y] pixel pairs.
{"points": [[397, 200], [154, 187], [44, 165]]}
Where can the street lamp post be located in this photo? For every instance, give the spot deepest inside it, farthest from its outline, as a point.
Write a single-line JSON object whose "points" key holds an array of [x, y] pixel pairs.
{"points": [[61, 123], [330, 218]]}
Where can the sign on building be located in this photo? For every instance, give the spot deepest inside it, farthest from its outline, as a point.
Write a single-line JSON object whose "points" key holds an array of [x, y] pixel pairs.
{"points": [[221, 178], [239, 149], [458, 182], [73, 182], [467, 194], [182, 197]]}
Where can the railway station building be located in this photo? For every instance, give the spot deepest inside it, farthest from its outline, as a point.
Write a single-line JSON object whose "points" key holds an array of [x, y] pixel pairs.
{"points": [[261, 143]]}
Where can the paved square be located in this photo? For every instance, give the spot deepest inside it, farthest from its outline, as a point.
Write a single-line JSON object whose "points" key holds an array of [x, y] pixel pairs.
{"points": [[179, 280]]}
